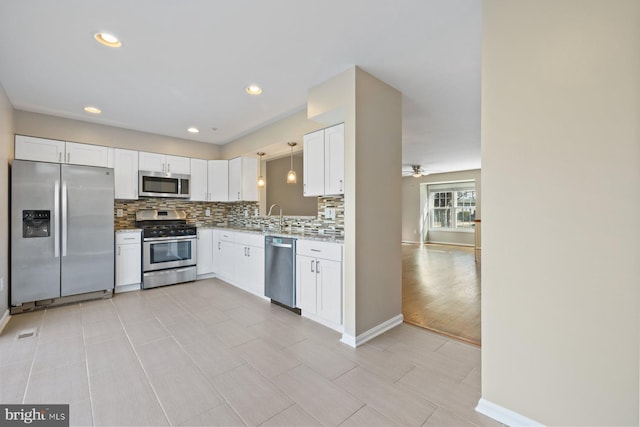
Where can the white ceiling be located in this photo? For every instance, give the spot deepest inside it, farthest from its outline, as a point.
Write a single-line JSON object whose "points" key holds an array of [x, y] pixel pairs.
{"points": [[186, 63]]}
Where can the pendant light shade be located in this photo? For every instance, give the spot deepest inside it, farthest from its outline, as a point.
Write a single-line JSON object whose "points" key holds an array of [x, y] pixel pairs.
{"points": [[261, 181], [291, 175]]}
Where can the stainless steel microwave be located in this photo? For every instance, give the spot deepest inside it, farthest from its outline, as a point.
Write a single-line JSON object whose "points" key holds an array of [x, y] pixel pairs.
{"points": [[161, 184]]}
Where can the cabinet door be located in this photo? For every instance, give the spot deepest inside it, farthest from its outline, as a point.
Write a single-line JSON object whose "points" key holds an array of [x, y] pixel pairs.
{"points": [[242, 276], [235, 179], [198, 181], [249, 191], [39, 149], [218, 180], [204, 261], [306, 284], [128, 264], [256, 270], [334, 160], [216, 262], [125, 174], [329, 296], [226, 268], [313, 164], [87, 154], [153, 162], [177, 164]]}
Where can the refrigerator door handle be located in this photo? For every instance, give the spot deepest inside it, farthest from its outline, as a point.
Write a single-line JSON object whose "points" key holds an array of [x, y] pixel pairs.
{"points": [[64, 218], [56, 222]]}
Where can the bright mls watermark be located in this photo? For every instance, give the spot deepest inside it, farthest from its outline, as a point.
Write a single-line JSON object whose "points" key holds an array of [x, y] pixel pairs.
{"points": [[34, 415]]}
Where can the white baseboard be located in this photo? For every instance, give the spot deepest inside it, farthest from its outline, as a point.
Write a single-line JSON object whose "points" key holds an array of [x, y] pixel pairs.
{"points": [[380, 329], [4, 320], [435, 242], [126, 288], [504, 415]]}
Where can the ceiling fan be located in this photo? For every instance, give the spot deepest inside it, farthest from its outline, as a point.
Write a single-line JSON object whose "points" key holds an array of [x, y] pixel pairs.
{"points": [[415, 171]]}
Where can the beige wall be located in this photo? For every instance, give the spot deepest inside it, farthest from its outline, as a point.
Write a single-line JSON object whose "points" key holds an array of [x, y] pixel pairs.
{"points": [[338, 94], [411, 206], [44, 126], [6, 155], [561, 196], [289, 196], [378, 196], [372, 115], [272, 139]]}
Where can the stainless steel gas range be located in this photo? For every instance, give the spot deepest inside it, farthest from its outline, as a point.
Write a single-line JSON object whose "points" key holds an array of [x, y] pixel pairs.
{"points": [[168, 247]]}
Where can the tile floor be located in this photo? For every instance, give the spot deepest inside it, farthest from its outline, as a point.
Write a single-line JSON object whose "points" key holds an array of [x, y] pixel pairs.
{"points": [[206, 353]]}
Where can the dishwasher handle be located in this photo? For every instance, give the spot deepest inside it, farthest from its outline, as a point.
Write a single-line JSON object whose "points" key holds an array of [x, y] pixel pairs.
{"points": [[280, 245]]}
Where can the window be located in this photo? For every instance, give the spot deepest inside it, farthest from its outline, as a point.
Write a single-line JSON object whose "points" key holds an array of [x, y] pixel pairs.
{"points": [[452, 206]]}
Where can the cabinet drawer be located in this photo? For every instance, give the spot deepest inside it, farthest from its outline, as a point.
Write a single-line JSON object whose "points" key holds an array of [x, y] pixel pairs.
{"points": [[312, 248], [250, 239], [226, 236], [128, 238]]}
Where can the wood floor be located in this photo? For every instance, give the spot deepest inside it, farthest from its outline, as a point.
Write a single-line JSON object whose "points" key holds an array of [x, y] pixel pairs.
{"points": [[441, 290]]}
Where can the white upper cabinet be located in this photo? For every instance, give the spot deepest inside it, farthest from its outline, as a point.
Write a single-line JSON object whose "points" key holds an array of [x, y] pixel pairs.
{"points": [[198, 181], [86, 154], [176, 164], [125, 174], [155, 162], [54, 151], [243, 177], [39, 149], [324, 162], [334, 160], [313, 164], [218, 180]]}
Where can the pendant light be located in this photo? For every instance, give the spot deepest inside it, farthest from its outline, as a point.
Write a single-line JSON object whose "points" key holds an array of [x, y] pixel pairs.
{"points": [[261, 181], [291, 175]]}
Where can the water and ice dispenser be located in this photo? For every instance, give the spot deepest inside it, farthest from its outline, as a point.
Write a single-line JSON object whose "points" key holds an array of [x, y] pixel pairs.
{"points": [[36, 223]]}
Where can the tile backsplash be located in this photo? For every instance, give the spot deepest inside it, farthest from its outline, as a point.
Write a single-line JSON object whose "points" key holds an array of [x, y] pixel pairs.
{"points": [[240, 214]]}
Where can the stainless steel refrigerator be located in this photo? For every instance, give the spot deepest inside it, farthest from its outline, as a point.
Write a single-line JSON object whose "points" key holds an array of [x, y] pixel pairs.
{"points": [[62, 240]]}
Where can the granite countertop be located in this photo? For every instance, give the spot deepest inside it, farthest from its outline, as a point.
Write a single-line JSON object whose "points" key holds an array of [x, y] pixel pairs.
{"points": [[129, 230], [270, 232]]}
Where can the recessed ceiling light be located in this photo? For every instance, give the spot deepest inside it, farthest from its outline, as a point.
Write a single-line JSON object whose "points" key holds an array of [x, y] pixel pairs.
{"points": [[107, 39], [254, 90], [92, 110], [193, 130]]}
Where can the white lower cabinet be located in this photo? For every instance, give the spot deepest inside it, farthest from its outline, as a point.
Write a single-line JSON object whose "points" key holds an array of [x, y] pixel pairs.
{"points": [[128, 261], [319, 282], [249, 262], [223, 254], [238, 258], [204, 257]]}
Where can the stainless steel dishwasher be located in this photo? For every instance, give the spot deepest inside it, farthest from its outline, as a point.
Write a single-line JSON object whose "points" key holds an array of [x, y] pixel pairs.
{"points": [[280, 271]]}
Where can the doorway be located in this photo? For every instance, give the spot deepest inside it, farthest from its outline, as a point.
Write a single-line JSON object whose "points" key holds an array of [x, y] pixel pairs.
{"points": [[441, 278], [441, 289]]}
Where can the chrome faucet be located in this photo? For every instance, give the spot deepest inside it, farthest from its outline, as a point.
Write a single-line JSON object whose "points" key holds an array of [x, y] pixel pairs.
{"points": [[271, 208]]}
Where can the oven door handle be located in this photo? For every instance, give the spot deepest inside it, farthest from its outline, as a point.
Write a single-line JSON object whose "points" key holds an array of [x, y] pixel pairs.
{"points": [[169, 239]]}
